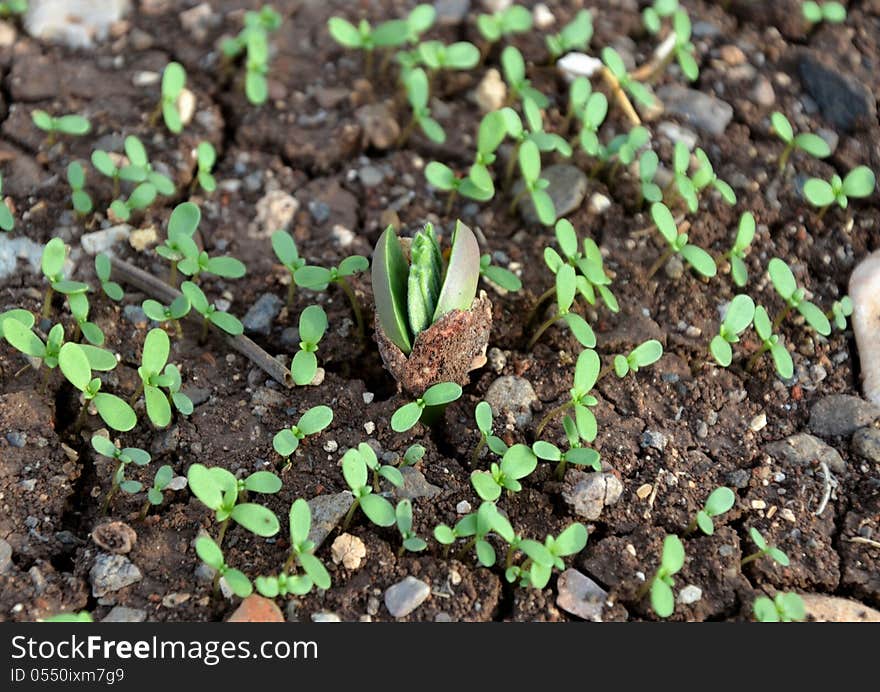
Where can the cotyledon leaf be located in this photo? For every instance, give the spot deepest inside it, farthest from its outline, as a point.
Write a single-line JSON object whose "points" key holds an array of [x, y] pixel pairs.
{"points": [[389, 273], [462, 274]]}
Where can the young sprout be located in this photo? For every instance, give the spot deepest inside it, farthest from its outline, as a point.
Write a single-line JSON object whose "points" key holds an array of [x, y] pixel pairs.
{"points": [[76, 177], [287, 253], [442, 177], [140, 169], [764, 549], [140, 198], [653, 16], [500, 276], [490, 134], [575, 36], [483, 415], [534, 133], [435, 55], [122, 457], [157, 312], [740, 314], [102, 270], [199, 302], [705, 176], [73, 125], [17, 331], [418, 21], [649, 162], [173, 82], [737, 254], [79, 308], [586, 374], [24, 317], [719, 501], [840, 310], [413, 455], [478, 526], [660, 585], [376, 508], [773, 343], [83, 615], [641, 356], [254, 40], [211, 554], [592, 116], [814, 145], [225, 267], [786, 286], [75, 366], [859, 182], [206, 157], [404, 517], [535, 572], [52, 265], [785, 607], [699, 260], [409, 414], [576, 454], [567, 286], [513, 66], [831, 12], [106, 166], [617, 68], [220, 491], [363, 37], [318, 278], [623, 149], [312, 326], [533, 184], [389, 473], [311, 422], [515, 19], [417, 93], [7, 221], [157, 374], [155, 493], [518, 462], [683, 49]]}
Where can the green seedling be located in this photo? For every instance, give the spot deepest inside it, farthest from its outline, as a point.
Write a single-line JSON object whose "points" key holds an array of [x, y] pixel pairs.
{"points": [[206, 157], [389, 473], [649, 162], [404, 517], [302, 556], [175, 312], [515, 19], [7, 221], [287, 253], [52, 265], [689, 187], [210, 314], [483, 415], [211, 554], [173, 82], [705, 176], [591, 116], [586, 374], [74, 364], [149, 182], [490, 134], [377, 509], [106, 166], [785, 607], [418, 21], [643, 355], [390, 34], [312, 326], [102, 270], [719, 501], [157, 374], [698, 259], [660, 585], [17, 331], [534, 185], [413, 455], [435, 55], [575, 36], [156, 492], [859, 182], [319, 278], [840, 310], [442, 177], [418, 94], [513, 67], [436, 395], [566, 287], [518, 462], [122, 458], [537, 569], [501, 277], [140, 170], [653, 16], [683, 49], [764, 548], [623, 150], [576, 454], [254, 41], [10, 8], [224, 494], [831, 12], [740, 314], [79, 308], [773, 343], [225, 267], [812, 144], [478, 526], [25, 318], [140, 199], [745, 234], [311, 422], [412, 296], [633, 87], [794, 296], [76, 177], [533, 133], [71, 125], [83, 615]]}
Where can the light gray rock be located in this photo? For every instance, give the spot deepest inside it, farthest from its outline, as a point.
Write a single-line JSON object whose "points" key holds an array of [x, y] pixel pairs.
{"points": [[14, 249], [451, 12], [841, 414], [701, 110], [74, 23], [5, 556], [405, 596], [327, 512], [261, 315], [844, 101], [580, 595], [370, 176], [111, 573], [804, 449], [326, 617], [589, 493], [654, 439], [865, 443], [689, 594], [105, 239], [123, 614], [513, 395], [415, 485], [567, 188], [676, 133]]}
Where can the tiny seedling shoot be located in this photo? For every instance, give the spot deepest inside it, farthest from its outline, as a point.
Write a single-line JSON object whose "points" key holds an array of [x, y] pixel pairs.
{"points": [[284, 247], [785, 607], [807, 142], [206, 157], [173, 83], [211, 554], [75, 366], [698, 259], [318, 278], [794, 296], [123, 457], [764, 548], [740, 313], [437, 395], [209, 312], [312, 327], [483, 415], [72, 125], [404, 518], [719, 501], [660, 585], [355, 471], [156, 492], [156, 375], [7, 220], [858, 183], [745, 234], [76, 177], [313, 421], [518, 462]]}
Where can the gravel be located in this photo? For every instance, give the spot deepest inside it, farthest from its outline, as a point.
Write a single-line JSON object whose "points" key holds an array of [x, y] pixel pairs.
{"points": [[405, 596]]}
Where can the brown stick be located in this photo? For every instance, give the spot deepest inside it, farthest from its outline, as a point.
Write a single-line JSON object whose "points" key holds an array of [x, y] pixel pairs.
{"points": [[164, 293]]}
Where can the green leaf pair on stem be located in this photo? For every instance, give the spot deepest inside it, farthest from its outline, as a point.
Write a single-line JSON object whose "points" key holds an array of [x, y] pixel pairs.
{"points": [[518, 462], [156, 375], [436, 395], [310, 423], [74, 364]]}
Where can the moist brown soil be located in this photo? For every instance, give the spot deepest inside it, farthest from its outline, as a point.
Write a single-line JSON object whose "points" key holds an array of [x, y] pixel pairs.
{"points": [[307, 141]]}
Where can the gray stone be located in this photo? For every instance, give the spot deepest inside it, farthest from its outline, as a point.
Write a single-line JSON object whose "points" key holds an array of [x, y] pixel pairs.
{"points": [[676, 133], [380, 128], [290, 337], [512, 395], [261, 314], [804, 450], [135, 314], [268, 397], [567, 189], [327, 512], [123, 614], [739, 478], [415, 485], [762, 92], [74, 23], [866, 443], [589, 493], [450, 12], [16, 438], [326, 617], [198, 395], [841, 414], [165, 442], [689, 594], [111, 573], [405, 596], [844, 101], [14, 249], [654, 439], [199, 20], [105, 239], [319, 210], [370, 176], [580, 595], [5, 556], [701, 110]]}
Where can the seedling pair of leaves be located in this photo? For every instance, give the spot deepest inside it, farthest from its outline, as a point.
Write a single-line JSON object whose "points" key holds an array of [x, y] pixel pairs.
{"points": [[690, 187], [576, 455], [311, 422], [418, 93], [483, 416], [181, 250], [156, 492], [287, 253], [478, 526], [773, 343], [404, 518], [319, 278], [52, 265], [72, 125], [535, 572], [435, 55], [567, 285], [173, 83], [503, 278], [740, 314], [698, 259], [575, 36], [206, 157], [786, 286], [840, 311], [590, 108], [764, 548], [355, 469], [390, 34], [17, 329], [436, 395], [513, 67], [79, 308], [76, 177], [123, 457], [302, 555], [517, 463], [254, 40], [683, 49], [157, 312], [74, 364], [211, 554], [221, 492], [653, 16], [719, 501], [530, 168], [671, 562], [312, 327], [209, 312], [139, 170], [785, 607], [858, 183], [737, 254], [831, 12], [157, 375], [515, 19], [643, 355], [812, 144], [533, 131], [633, 87], [586, 374], [7, 221], [624, 148]]}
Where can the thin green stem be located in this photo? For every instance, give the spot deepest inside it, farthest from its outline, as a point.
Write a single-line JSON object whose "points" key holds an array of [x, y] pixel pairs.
{"points": [[511, 167], [781, 316], [545, 296], [204, 335], [753, 361], [172, 274], [562, 408], [512, 209], [350, 514], [823, 211], [663, 259], [479, 448], [560, 469], [543, 328], [783, 157], [47, 303], [642, 592], [450, 200], [355, 305], [291, 291], [467, 547], [114, 487], [750, 558], [137, 393]]}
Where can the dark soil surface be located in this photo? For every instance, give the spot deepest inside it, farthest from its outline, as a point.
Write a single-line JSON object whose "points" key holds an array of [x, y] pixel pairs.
{"points": [[308, 142]]}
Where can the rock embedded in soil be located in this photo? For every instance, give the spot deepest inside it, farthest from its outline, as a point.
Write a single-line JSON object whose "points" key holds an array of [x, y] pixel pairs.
{"points": [[864, 289], [689, 595], [379, 126], [405, 596], [111, 573], [824, 608], [841, 414], [275, 211], [844, 101], [261, 315], [580, 596], [866, 443], [327, 512], [326, 617], [701, 110], [5, 556], [74, 23], [415, 486], [13, 249], [491, 93], [199, 20], [567, 188], [589, 493], [255, 608], [105, 239], [114, 537], [804, 450], [514, 396], [124, 614]]}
